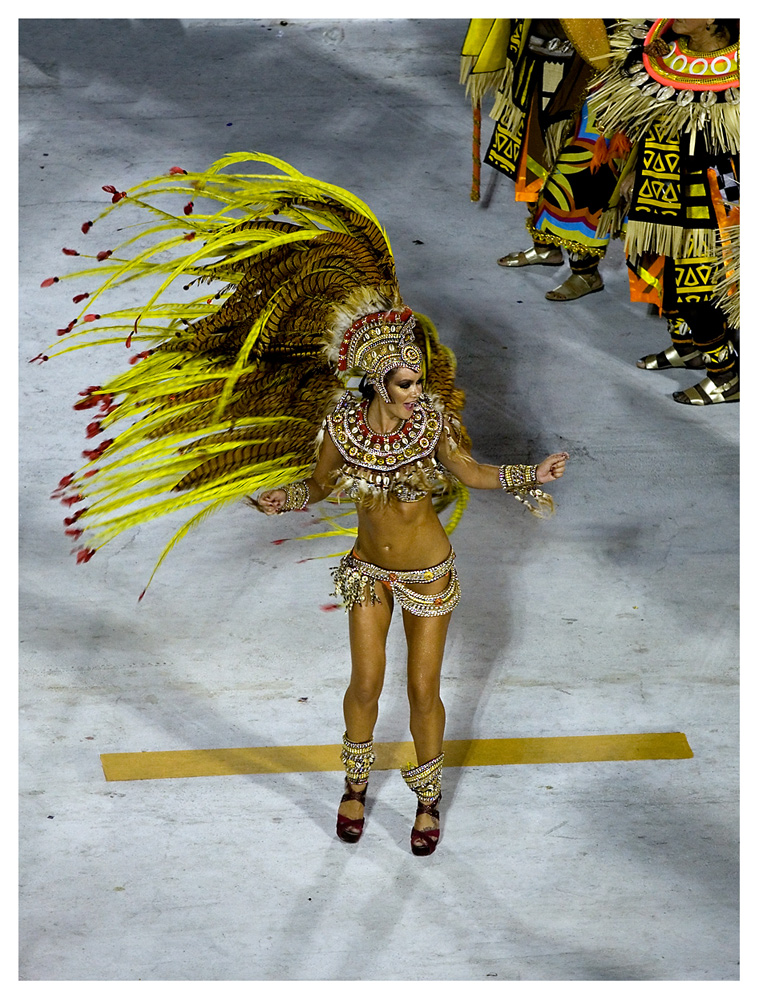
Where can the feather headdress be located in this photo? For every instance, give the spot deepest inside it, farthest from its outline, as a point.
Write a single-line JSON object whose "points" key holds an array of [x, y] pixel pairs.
{"points": [[230, 384]]}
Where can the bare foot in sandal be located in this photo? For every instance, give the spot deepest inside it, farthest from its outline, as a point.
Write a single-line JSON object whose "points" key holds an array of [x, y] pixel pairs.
{"points": [[576, 286], [548, 256]]}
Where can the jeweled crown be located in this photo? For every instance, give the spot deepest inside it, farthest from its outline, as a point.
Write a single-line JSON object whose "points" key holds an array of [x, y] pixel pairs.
{"points": [[379, 342]]}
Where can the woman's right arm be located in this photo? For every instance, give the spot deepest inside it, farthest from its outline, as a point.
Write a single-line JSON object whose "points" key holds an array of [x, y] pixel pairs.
{"points": [[311, 490]]}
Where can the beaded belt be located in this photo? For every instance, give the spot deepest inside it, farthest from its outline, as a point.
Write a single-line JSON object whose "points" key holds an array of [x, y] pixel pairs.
{"points": [[354, 581]]}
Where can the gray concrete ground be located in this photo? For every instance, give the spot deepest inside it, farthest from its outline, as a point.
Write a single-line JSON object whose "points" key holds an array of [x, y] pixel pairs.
{"points": [[618, 616]]}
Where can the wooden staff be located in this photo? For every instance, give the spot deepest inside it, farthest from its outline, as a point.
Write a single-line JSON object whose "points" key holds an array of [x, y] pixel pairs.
{"points": [[476, 127]]}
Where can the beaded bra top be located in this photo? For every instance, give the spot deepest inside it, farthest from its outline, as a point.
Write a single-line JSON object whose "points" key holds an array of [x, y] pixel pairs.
{"points": [[378, 466]]}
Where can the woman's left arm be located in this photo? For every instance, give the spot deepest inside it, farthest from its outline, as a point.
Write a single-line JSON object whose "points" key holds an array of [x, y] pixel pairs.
{"points": [[478, 476]]}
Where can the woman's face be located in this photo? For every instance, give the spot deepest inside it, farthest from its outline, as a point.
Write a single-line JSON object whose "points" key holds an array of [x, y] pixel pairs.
{"points": [[404, 387]]}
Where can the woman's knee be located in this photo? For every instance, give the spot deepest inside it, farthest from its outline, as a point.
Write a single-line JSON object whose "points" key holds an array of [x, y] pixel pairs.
{"points": [[365, 690], [424, 694]]}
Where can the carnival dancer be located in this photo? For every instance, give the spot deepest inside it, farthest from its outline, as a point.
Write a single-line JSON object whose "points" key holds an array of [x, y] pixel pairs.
{"points": [[673, 92], [250, 388], [545, 138]]}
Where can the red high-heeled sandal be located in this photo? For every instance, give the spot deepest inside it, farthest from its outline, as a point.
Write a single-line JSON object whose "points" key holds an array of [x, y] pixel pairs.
{"points": [[350, 830], [424, 842]]}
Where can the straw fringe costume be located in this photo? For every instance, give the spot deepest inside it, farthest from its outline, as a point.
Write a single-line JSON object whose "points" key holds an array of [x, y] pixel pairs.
{"points": [[270, 294], [680, 112]]}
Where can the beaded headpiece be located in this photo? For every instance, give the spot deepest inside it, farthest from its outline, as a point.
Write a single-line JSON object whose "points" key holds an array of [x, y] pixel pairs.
{"points": [[379, 342]]}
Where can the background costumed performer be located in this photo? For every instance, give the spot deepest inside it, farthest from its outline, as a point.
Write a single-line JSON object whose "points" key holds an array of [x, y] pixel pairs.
{"points": [[673, 90]]}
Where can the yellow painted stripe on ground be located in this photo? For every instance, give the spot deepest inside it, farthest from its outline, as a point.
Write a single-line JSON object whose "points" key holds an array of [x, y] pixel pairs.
{"points": [[458, 753]]}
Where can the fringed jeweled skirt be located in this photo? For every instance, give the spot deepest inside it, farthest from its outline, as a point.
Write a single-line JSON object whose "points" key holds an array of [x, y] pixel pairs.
{"points": [[354, 584]]}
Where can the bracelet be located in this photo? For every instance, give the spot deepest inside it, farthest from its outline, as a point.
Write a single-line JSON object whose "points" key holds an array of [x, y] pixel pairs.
{"points": [[518, 478], [523, 479], [297, 496]]}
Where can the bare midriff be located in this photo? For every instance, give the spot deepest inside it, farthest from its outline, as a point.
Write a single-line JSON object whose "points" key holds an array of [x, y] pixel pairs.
{"points": [[401, 535]]}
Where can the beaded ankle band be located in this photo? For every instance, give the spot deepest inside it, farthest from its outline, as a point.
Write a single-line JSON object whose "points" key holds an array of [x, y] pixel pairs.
{"points": [[425, 779], [357, 759]]}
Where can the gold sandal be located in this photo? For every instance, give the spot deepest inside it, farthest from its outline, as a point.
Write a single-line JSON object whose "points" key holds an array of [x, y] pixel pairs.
{"points": [[671, 358], [575, 287], [707, 392], [523, 258]]}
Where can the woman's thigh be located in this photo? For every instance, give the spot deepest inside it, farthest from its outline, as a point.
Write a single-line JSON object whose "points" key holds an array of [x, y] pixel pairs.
{"points": [[368, 626], [425, 638]]}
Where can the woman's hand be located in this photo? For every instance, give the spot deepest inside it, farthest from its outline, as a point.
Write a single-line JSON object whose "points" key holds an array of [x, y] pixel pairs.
{"points": [[552, 467], [270, 501]]}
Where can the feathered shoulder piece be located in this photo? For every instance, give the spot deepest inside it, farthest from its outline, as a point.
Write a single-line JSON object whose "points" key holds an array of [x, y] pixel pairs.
{"points": [[243, 277]]}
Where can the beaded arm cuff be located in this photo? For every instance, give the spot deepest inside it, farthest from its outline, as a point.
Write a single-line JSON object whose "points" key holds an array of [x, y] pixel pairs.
{"points": [[522, 482], [518, 478], [296, 496]]}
